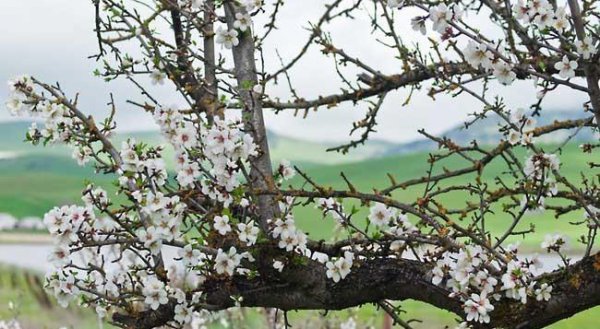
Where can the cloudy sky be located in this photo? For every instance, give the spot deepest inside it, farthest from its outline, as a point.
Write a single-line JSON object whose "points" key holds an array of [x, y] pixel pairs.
{"points": [[52, 39]]}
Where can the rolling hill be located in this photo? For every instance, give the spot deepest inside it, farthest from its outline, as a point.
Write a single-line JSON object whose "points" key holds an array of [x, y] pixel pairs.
{"points": [[486, 133], [307, 153], [310, 153]]}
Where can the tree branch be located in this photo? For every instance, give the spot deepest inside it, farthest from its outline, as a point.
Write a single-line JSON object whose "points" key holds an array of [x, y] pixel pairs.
{"points": [[306, 287]]}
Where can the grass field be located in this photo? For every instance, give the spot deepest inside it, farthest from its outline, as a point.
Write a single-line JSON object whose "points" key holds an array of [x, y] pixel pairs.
{"points": [[32, 184]]}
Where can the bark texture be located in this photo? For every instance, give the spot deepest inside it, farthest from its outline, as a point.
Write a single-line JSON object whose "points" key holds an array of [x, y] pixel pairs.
{"points": [[306, 287]]}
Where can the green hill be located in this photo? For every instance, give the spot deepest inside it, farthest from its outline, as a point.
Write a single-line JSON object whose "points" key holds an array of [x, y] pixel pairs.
{"points": [[32, 184], [307, 153]]}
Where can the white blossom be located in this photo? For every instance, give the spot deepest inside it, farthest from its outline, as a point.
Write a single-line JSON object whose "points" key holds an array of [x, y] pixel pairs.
{"points": [[183, 314], [242, 21], [226, 262], [478, 54], [418, 25], [248, 233], [553, 242], [380, 214], [155, 293], [514, 137], [278, 265], [585, 48], [566, 68], [543, 292], [151, 238], [157, 77], [338, 270], [503, 72], [478, 307], [228, 39], [560, 21], [286, 170], [441, 15], [222, 224], [189, 256]]}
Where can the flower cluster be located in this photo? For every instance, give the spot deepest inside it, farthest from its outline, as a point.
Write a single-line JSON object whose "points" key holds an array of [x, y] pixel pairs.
{"points": [[182, 135], [113, 257], [540, 165], [290, 237], [382, 216], [553, 242], [59, 124], [64, 224], [524, 128], [331, 207], [223, 144], [67, 225], [19, 100], [226, 146], [441, 15], [478, 55], [89, 256], [285, 170], [537, 170], [542, 14], [340, 268], [141, 162], [154, 292], [242, 23], [474, 277]]}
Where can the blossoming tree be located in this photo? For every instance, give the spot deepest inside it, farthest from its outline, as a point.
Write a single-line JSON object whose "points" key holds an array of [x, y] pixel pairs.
{"points": [[229, 214]]}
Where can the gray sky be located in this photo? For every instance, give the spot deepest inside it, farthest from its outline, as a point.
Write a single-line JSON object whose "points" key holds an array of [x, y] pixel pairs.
{"points": [[51, 40]]}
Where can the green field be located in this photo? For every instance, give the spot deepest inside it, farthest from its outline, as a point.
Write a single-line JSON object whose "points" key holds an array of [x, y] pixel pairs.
{"points": [[31, 184]]}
